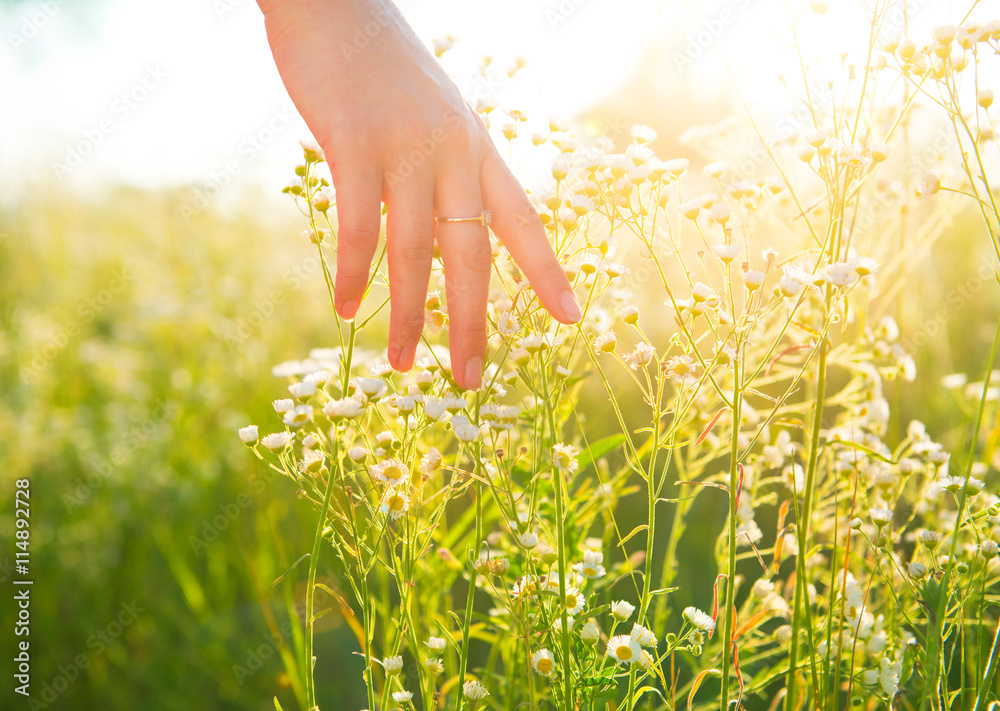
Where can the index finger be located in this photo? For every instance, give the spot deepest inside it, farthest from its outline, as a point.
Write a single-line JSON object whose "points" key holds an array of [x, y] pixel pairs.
{"points": [[518, 226]]}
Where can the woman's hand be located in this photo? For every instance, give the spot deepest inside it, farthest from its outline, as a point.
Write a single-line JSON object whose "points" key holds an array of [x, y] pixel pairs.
{"points": [[395, 129]]}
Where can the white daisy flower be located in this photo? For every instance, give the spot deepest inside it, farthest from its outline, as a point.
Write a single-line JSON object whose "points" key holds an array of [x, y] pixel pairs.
{"points": [[643, 134], [395, 503], [575, 601], [464, 430], [622, 610], [347, 407], [543, 662], [474, 691], [643, 636], [298, 416], [623, 649], [277, 441], [391, 472], [642, 356], [591, 567], [373, 388], [753, 279], [431, 461], [880, 517], [302, 389], [564, 457], [726, 252], [700, 620]]}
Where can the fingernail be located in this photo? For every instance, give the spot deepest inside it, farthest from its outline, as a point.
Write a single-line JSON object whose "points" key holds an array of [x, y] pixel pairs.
{"points": [[571, 309], [406, 357], [473, 373], [349, 310]]}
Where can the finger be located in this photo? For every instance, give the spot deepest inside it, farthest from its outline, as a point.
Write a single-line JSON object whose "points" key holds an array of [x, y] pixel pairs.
{"points": [[410, 241], [359, 219], [517, 225], [468, 259]]}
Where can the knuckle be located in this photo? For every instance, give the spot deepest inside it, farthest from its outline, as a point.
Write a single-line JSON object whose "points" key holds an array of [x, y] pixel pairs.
{"points": [[360, 233], [351, 279], [417, 254], [474, 332], [409, 323], [478, 258], [551, 271]]}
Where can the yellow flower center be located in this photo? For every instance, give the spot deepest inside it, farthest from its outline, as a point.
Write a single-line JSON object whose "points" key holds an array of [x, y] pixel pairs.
{"points": [[397, 503], [624, 652], [589, 572], [544, 665], [392, 473]]}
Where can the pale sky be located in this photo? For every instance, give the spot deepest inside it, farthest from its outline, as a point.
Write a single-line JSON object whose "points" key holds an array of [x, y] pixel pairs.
{"points": [[167, 92]]}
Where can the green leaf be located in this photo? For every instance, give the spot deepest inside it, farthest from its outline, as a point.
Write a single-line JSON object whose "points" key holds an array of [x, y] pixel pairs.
{"points": [[697, 683], [598, 449], [321, 613], [634, 531], [285, 574], [277, 705], [644, 690]]}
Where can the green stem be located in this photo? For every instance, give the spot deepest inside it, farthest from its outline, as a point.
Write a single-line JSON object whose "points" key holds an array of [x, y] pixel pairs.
{"points": [[734, 480], [467, 622], [990, 670], [310, 590], [561, 545], [802, 523]]}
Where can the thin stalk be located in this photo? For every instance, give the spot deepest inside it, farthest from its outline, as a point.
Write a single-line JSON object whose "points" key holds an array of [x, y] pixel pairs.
{"points": [[467, 622], [310, 590], [802, 523], [734, 456]]}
